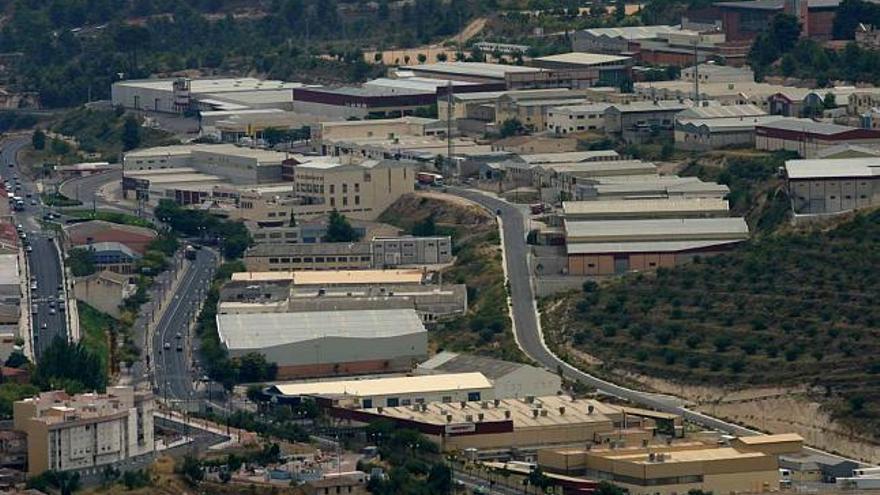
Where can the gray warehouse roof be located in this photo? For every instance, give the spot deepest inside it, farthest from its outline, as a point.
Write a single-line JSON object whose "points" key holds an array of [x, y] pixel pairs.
{"points": [[451, 362], [473, 69], [257, 331], [694, 228], [632, 32], [833, 168]]}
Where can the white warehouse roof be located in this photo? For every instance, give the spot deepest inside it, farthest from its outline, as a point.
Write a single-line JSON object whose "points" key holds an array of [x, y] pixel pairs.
{"points": [[257, 331], [583, 58], [833, 168], [384, 386], [675, 228]]}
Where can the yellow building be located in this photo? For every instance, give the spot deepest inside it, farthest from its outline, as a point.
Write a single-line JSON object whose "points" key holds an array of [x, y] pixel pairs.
{"points": [[358, 190], [85, 431], [748, 465]]}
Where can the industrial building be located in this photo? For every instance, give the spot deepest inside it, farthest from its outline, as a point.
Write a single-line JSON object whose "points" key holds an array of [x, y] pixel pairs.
{"points": [[235, 164], [745, 20], [640, 187], [636, 121], [712, 134], [524, 425], [360, 102], [510, 380], [373, 128], [576, 118], [830, 186], [615, 40], [296, 257], [535, 144], [531, 107], [608, 70], [807, 137], [390, 252], [85, 431], [336, 277], [328, 343], [447, 388], [477, 72], [714, 73], [432, 302], [176, 95], [608, 247], [669, 469], [645, 208]]}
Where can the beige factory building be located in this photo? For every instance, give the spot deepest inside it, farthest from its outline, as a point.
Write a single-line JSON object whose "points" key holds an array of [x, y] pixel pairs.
{"points": [[85, 431], [374, 128], [360, 191], [392, 391], [747, 465], [526, 424], [619, 209]]}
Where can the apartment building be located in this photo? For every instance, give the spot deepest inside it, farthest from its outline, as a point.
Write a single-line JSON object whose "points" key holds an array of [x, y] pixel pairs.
{"points": [[83, 431]]}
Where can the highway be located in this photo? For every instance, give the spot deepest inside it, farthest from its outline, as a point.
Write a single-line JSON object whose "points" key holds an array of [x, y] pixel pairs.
{"points": [[173, 369], [44, 265], [527, 329]]}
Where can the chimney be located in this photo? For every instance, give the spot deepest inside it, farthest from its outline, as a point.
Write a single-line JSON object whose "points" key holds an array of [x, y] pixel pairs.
{"points": [[497, 402], [543, 413], [534, 413], [562, 410], [449, 418], [590, 409], [380, 409], [480, 416], [530, 399], [463, 404], [469, 418]]}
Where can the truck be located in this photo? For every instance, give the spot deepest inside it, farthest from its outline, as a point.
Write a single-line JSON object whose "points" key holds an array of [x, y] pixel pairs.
{"points": [[18, 203], [429, 179], [190, 252]]}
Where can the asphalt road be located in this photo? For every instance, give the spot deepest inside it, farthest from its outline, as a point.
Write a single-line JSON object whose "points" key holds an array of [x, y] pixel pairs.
{"points": [[85, 189], [528, 333], [173, 369], [44, 264]]}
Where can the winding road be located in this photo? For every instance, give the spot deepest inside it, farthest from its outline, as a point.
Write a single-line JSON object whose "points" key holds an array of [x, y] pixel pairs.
{"points": [[527, 328]]}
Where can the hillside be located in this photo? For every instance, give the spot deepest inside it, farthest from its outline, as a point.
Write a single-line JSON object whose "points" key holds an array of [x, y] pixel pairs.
{"points": [[486, 328], [793, 310]]}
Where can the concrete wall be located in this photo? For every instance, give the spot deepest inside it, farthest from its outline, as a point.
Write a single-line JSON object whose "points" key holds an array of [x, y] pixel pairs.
{"points": [[833, 195]]}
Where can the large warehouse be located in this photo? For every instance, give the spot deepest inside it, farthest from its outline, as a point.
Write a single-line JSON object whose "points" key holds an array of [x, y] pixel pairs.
{"points": [[832, 186], [175, 95], [328, 343], [607, 247]]}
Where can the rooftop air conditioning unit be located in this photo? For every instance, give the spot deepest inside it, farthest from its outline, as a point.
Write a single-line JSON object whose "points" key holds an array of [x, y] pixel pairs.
{"points": [[469, 418], [562, 410], [480, 416], [449, 418], [506, 414]]}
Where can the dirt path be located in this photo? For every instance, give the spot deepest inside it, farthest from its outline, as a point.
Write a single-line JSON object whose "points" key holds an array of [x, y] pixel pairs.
{"points": [[399, 56]]}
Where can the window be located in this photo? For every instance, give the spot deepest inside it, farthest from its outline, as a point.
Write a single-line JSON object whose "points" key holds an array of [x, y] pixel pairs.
{"points": [[473, 396], [405, 402], [344, 188], [345, 201], [392, 402], [357, 187], [446, 399], [357, 200], [367, 403], [332, 188], [333, 202], [273, 260], [319, 259]]}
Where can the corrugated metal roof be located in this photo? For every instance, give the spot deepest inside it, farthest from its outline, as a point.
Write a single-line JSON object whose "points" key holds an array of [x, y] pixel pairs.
{"points": [[691, 227], [651, 106], [452, 362], [830, 168], [583, 58], [721, 111], [632, 32], [566, 157], [385, 386], [473, 69], [261, 330], [807, 125], [644, 247], [683, 205]]}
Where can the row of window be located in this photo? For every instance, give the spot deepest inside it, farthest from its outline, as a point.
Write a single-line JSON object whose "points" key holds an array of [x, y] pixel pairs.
{"points": [[396, 401], [319, 259]]}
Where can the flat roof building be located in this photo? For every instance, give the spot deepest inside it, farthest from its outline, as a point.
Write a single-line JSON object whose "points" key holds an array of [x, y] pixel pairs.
{"points": [[328, 343], [303, 257], [175, 95], [479, 72], [237, 164], [676, 468], [335, 277], [390, 392], [497, 426], [615, 40], [85, 431]]}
